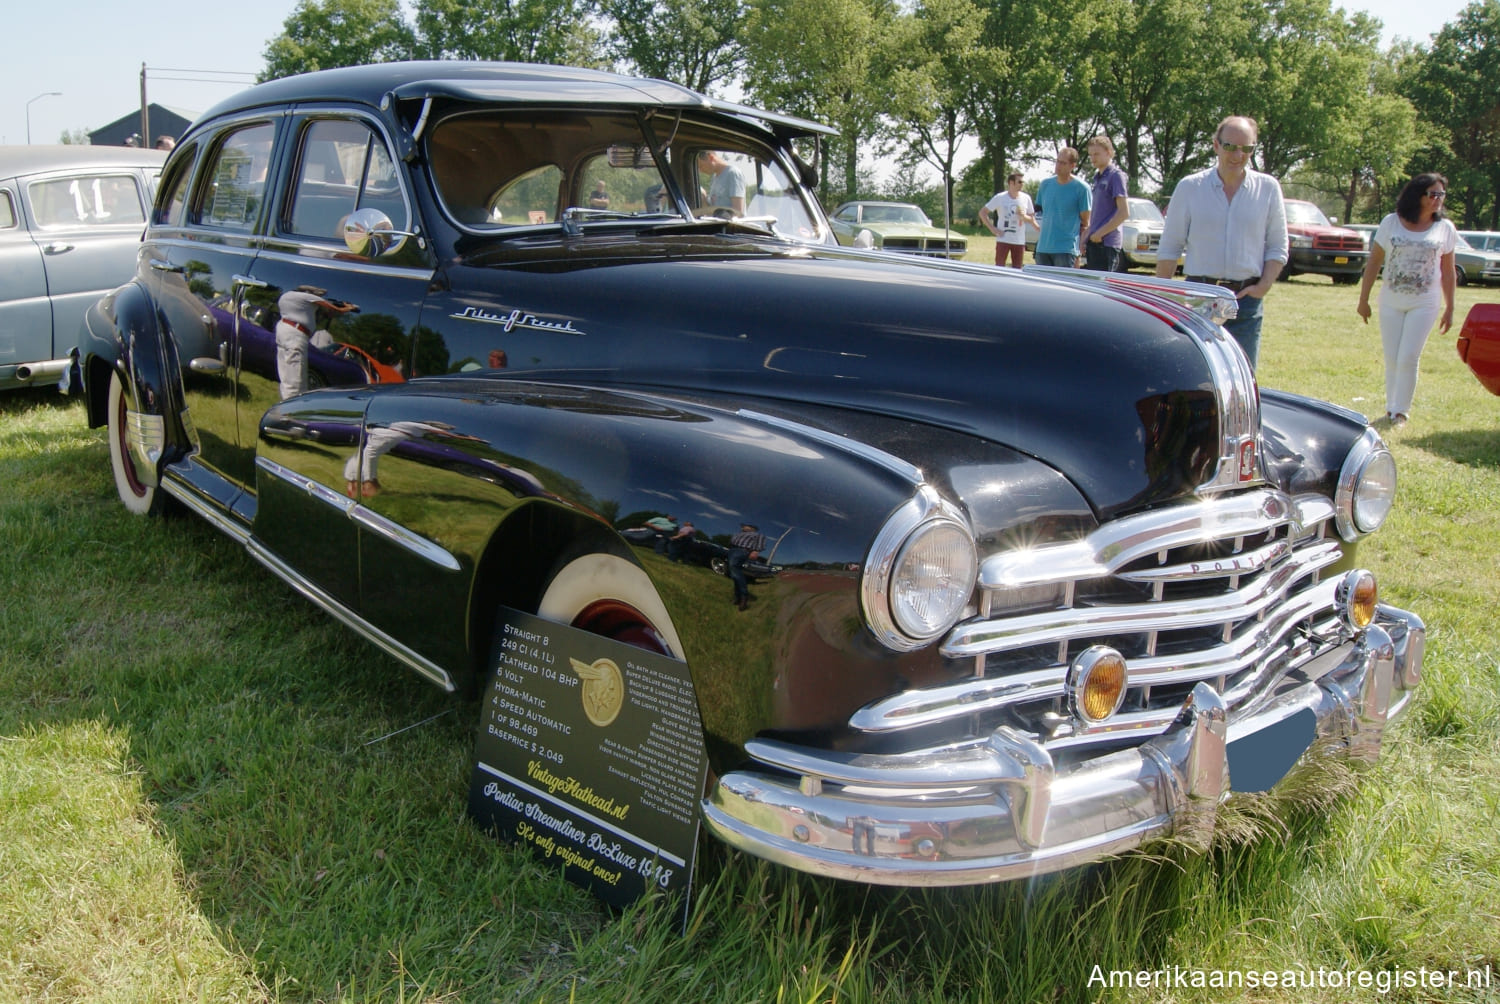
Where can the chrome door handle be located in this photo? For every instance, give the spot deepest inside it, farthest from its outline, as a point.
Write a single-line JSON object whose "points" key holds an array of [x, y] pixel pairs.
{"points": [[245, 280], [164, 266], [56, 247]]}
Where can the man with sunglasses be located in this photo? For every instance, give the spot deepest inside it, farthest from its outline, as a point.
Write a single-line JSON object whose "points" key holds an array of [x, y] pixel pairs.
{"points": [[1230, 223]]}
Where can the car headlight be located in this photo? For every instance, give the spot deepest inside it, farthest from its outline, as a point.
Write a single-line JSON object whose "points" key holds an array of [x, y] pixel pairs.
{"points": [[1298, 241], [920, 573], [1367, 488]]}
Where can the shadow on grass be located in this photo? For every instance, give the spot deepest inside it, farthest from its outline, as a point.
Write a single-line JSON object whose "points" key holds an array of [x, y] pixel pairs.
{"points": [[1478, 448]]}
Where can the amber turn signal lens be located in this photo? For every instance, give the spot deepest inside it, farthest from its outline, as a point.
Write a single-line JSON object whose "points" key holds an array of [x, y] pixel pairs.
{"points": [[1357, 596], [1097, 682]]}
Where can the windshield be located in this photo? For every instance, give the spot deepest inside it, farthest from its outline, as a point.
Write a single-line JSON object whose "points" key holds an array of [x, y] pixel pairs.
{"points": [[1145, 210], [1305, 212], [896, 214], [496, 170]]}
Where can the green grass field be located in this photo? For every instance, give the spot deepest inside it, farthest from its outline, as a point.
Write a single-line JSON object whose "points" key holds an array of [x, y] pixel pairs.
{"points": [[206, 792]]}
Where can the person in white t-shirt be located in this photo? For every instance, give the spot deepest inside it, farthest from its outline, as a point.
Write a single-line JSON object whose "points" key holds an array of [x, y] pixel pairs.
{"points": [[1011, 208], [1415, 244]]}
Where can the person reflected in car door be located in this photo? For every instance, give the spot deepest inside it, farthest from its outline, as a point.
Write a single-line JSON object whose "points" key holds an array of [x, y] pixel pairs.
{"points": [[294, 332], [743, 546]]}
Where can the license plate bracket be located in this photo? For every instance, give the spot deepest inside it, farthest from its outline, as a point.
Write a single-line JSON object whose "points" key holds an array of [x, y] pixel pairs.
{"points": [[1258, 761]]}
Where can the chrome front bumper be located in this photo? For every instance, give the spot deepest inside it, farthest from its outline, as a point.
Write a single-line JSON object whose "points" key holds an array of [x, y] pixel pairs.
{"points": [[1002, 809]]}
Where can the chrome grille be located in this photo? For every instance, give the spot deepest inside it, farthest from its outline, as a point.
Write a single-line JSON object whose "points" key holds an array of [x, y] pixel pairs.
{"points": [[1339, 242], [1226, 590]]}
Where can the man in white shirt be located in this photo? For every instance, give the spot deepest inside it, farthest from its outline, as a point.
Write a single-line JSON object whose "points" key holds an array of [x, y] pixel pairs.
{"points": [[1012, 208], [1231, 223], [726, 190]]}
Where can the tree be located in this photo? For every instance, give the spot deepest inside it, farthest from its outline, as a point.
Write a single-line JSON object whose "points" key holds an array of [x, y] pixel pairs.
{"points": [[1030, 76], [1456, 86], [1156, 68], [321, 34], [1366, 153], [524, 31], [691, 42], [926, 65], [1303, 71], [75, 137], [813, 58]]}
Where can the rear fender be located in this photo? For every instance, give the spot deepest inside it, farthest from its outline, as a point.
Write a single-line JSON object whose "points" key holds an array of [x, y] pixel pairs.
{"points": [[121, 334], [1479, 344]]}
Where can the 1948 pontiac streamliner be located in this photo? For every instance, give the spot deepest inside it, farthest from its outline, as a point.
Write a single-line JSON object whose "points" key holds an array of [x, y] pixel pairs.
{"points": [[1044, 574]]}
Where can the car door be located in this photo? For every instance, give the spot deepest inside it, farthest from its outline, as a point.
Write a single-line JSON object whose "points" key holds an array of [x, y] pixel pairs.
{"points": [[25, 317], [197, 263], [88, 227], [325, 316]]}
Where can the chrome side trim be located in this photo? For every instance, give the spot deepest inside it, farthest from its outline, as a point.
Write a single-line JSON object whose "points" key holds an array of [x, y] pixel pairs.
{"points": [[423, 665], [843, 444], [367, 268], [400, 535], [364, 516], [189, 497]]}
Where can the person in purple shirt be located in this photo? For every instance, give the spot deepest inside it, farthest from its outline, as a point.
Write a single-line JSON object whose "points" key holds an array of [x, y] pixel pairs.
{"points": [[1103, 249]]}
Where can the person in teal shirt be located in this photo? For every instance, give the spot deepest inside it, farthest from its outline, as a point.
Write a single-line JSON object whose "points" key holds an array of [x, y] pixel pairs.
{"points": [[1063, 203]]}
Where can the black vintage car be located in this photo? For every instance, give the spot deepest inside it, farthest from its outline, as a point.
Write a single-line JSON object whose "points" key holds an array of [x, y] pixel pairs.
{"points": [[1052, 576]]}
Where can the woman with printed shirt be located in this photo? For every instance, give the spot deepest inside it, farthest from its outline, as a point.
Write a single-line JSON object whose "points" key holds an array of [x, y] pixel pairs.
{"points": [[1415, 244]]}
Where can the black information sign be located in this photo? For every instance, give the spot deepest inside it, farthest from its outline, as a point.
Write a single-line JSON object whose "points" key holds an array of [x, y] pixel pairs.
{"points": [[590, 752]]}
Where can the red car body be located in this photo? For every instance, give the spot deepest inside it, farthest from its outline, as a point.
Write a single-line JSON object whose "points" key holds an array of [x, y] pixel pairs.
{"points": [[1479, 344]]}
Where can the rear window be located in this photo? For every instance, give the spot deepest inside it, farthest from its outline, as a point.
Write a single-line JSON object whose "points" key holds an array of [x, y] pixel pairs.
{"points": [[86, 200], [237, 179]]}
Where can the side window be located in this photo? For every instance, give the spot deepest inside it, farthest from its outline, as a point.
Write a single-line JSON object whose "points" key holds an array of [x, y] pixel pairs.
{"points": [[86, 200], [237, 179], [342, 166], [172, 199], [7, 211], [531, 198]]}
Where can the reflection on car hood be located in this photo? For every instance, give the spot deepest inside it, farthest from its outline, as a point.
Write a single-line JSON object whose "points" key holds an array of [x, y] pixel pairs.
{"points": [[1114, 397]]}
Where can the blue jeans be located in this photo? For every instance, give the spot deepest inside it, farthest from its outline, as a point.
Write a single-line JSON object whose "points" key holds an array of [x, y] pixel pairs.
{"points": [[1103, 258], [1060, 260], [1246, 326], [737, 558]]}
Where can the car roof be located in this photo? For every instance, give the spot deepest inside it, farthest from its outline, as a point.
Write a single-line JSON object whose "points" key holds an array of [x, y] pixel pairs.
{"points": [[42, 157], [499, 83], [878, 202]]}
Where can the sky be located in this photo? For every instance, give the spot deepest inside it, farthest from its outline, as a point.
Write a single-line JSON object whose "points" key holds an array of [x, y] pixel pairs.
{"points": [[91, 52]]}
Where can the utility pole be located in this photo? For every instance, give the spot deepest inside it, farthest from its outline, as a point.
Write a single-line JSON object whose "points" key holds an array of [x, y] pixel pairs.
{"points": [[145, 112]]}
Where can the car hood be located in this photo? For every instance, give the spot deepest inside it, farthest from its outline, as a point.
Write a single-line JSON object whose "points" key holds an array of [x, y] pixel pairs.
{"points": [[1119, 400], [894, 229], [1322, 230]]}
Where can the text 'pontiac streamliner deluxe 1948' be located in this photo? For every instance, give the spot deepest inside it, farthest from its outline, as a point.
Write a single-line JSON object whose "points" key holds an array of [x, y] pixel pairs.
{"points": [[976, 573]]}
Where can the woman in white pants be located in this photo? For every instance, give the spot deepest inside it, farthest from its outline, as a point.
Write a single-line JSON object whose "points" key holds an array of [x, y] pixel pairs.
{"points": [[1415, 244]]}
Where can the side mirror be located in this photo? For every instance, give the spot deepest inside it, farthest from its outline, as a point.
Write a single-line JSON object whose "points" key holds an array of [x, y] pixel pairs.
{"points": [[368, 232]]}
